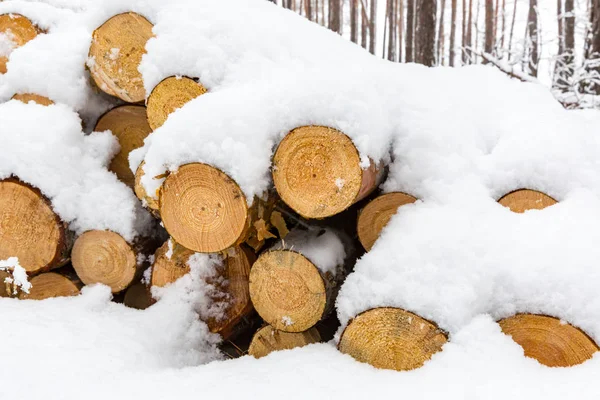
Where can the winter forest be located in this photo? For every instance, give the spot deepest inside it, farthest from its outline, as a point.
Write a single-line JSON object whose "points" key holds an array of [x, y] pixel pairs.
{"points": [[553, 42]]}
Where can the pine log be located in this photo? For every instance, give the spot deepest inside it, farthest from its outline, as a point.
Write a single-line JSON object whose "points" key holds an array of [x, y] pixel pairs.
{"points": [[289, 291], [36, 98], [115, 54], [105, 257], [128, 123], [171, 263], [549, 340], [522, 200], [391, 338], [205, 210], [267, 340], [148, 202], [138, 296], [20, 30], [5, 288], [169, 95], [376, 215], [317, 172], [52, 284], [30, 230]]}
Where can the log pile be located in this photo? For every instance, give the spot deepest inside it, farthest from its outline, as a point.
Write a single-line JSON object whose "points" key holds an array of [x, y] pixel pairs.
{"points": [[317, 177]]}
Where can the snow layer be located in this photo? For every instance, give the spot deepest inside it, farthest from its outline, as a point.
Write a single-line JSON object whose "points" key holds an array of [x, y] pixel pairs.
{"points": [[324, 248], [45, 147], [17, 275]]}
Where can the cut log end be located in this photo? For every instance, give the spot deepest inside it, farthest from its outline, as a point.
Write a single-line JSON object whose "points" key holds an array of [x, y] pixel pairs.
{"points": [[287, 290], [116, 52], [29, 228], [149, 202], [104, 257], [138, 296], [522, 200], [51, 284], [170, 94], [317, 172], [376, 215], [203, 209], [170, 263], [20, 31], [391, 338], [36, 98], [548, 340], [267, 340], [128, 123]]}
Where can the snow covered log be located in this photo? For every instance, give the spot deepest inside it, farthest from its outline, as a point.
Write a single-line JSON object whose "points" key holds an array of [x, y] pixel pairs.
{"points": [[17, 30], [36, 98], [375, 216], [205, 210], [391, 338], [522, 200], [30, 230], [149, 202], [267, 339], [318, 172], [138, 296], [549, 340], [52, 284], [172, 261], [294, 284], [129, 125], [170, 94], [105, 257], [115, 54]]}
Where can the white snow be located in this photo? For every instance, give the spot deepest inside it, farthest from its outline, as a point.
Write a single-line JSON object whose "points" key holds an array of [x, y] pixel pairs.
{"points": [[17, 275], [323, 248], [7, 43]]}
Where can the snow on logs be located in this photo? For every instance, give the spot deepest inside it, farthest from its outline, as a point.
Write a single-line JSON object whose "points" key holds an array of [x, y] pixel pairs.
{"points": [[294, 287], [522, 200], [391, 338], [149, 202], [105, 257], [317, 172], [171, 262], [128, 123], [115, 54], [376, 215], [170, 94], [30, 230], [36, 98], [267, 339], [19, 30], [549, 340], [205, 210], [52, 284]]}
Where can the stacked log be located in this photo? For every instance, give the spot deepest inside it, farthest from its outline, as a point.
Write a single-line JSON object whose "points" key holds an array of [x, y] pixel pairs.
{"points": [[268, 339], [52, 284], [522, 200], [20, 30], [317, 172], [36, 98], [549, 340]]}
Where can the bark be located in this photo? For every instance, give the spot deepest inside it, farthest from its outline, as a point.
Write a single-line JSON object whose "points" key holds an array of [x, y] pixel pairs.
{"points": [[503, 24], [425, 32], [533, 34], [373, 26], [334, 15], [309, 9], [464, 32], [512, 29], [354, 21], [594, 49], [442, 35], [410, 30], [469, 38], [453, 33], [400, 29], [391, 51], [489, 27], [364, 30]]}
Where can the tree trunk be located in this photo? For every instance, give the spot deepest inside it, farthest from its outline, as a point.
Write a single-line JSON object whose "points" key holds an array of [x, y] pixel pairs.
{"points": [[463, 42], [129, 124], [335, 16], [594, 48], [267, 340], [503, 24], [30, 230], [373, 26], [391, 51], [169, 95], [376, 214], [354, 21], [400, 46], [512, 30], [381, 337], [442, 35], [532, 29], [425, 32], [323, 189], [105, 257], [569, 38], [292, 289], [549, 340], [469, 39], [114, 73], [410, 30], [453, 33], [309, 10], [364, 28], [489, 28]]}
